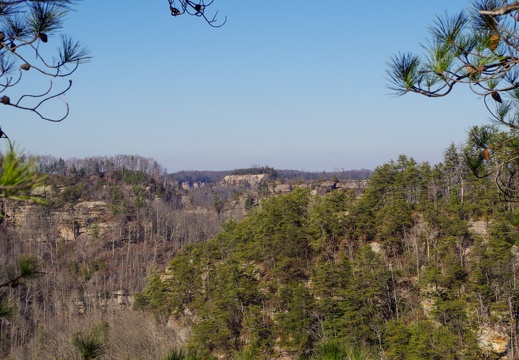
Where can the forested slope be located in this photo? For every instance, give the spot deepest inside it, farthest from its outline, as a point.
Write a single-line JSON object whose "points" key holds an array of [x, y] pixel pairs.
{"points": [[422, 266]]}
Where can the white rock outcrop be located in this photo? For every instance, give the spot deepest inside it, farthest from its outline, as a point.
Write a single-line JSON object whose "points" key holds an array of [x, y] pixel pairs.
{"points": [[252, 180]]}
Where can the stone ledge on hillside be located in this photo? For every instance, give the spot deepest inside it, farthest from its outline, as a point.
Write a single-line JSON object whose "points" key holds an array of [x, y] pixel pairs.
{"points": [[252, 180]]}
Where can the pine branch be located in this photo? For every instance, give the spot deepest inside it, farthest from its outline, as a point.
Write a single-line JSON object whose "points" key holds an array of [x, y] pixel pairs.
{"points": [[27, 268]]}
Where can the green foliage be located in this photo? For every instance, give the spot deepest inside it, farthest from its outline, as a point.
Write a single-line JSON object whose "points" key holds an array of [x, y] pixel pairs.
{"points": [[328, 223], [423, 340], [335, 349], [281, 225], [179, 354], [70, 194], [6, 308], [118, 200], [27, 267], [218, 203], [249, 202], [246, 354], [385, 210], [134, 177], [158, 299], [18, 177], [213, 332], [368, 301], [331, 284], [293, 322], [452, 314], [141, 301], [91, 343], [397, 338], [330, 349]]}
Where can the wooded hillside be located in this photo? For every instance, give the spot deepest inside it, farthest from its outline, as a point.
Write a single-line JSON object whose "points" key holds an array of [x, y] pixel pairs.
{"points": [[102, 227], [421, 266]]}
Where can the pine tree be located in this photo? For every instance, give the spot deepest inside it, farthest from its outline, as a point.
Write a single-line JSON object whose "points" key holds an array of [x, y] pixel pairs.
{"points": [[477, 47]]}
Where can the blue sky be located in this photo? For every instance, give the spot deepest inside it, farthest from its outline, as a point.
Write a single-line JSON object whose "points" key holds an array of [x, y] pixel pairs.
{"points": [[292, 85]]}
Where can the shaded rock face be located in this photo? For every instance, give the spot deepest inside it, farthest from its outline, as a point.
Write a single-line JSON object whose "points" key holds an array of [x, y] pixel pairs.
{"points": [[119, 299], [91, 209], [187, 185], [181, 328], [85, 217], [122, 297], [88, 213]]}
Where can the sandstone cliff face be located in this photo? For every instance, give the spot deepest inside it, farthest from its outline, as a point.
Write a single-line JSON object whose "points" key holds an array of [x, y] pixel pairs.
{"points": [[251, 180], [90, 217], [494, 339], [280, 186]]}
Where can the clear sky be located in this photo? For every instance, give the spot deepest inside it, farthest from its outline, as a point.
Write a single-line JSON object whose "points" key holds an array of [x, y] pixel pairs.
{"points": [[293, 85]]}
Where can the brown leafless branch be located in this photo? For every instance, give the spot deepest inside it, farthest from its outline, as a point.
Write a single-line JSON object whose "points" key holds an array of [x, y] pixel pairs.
{"points": [[195, 8], [47, 97], [503, 10]]}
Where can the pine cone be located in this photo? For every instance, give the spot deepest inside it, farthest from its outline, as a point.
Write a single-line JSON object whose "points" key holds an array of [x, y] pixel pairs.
{"points": [[496, 96], [5, 100]]}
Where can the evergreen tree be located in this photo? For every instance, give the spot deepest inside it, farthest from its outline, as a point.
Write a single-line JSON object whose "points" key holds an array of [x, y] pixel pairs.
{"points": [[477, 47]]}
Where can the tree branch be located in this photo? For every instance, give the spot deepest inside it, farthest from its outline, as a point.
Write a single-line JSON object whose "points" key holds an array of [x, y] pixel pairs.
{"points": [[503, 10]]}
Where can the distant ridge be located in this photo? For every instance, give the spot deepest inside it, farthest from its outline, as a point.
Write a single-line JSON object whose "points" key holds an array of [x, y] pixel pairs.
{"points": [[211, 177]]}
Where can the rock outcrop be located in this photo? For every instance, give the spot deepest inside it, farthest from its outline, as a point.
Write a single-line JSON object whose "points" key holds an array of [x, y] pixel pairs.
{"points": [[251, 180], [494, 339]]}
